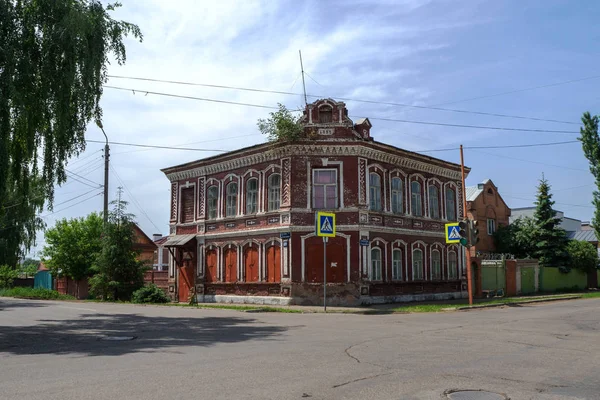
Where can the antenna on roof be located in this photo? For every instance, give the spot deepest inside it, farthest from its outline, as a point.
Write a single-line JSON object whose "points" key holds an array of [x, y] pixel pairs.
{"points": [[303, 82]]}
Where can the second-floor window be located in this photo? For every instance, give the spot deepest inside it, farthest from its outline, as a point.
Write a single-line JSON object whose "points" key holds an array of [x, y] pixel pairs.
{"points": [[397, 196], [251, 196], [325, 192], [274, 192], [375, 192], [491, 226], [187, 204], [416, 202], [434, 203], [231, 200], [212, 199], [450, 204]]}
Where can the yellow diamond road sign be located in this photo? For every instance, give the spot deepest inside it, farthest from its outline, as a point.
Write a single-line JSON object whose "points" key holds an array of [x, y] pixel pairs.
{"points": [[325, 224], [452, 233]]}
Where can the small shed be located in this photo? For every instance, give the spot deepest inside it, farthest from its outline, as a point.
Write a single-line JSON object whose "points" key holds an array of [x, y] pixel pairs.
{"points": [[43, 278]]}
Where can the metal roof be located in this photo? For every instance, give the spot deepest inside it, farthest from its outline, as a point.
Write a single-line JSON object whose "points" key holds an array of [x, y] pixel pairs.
{"points": [[179, 240], [586, 236], [473, 192]]}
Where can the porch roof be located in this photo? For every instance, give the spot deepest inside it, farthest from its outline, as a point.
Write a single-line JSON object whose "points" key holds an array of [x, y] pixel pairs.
{"points": [[179, 240]]}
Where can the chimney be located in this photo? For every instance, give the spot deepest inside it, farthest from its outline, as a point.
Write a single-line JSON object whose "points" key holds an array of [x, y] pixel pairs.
{"points": [[156, 236]]}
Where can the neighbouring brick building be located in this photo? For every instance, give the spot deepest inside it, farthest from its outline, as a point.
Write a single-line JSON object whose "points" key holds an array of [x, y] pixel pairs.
{"points": [[485, 205], [242, 223]]}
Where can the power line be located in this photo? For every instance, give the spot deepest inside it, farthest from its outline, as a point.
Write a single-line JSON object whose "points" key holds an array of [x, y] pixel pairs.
{"points": [[155, 147], [531, 161], [562, 204], [134, 199], [502, 146], [75, 198], [82, 177], [373, 118], [519, 90], [84, 183], [72, 205], [86, 157], [342, 99]]}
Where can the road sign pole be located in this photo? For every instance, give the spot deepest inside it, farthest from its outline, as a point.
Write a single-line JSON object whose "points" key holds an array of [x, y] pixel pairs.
{"points": [[467, 250], [325, 274]]}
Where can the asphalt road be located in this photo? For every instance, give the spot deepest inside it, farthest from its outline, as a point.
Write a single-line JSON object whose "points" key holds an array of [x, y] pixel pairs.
{"points": [[51, 350]]}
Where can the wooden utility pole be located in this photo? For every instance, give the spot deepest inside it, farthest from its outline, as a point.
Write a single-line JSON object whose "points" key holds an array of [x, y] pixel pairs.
{"points": [[467, 249], [303, 82]]}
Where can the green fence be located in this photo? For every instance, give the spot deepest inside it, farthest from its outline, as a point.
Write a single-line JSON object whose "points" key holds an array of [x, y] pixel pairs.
{"points": [[553, 279], [493, 277]]}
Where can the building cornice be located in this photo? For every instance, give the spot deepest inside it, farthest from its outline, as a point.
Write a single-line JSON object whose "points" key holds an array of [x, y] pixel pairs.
{"points": [[315, 149]]}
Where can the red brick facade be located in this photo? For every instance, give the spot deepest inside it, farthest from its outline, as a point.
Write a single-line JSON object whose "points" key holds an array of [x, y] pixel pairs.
{"points": [[246, 202]]}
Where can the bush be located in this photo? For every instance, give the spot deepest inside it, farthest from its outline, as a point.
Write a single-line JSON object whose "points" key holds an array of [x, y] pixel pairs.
{"points": [[7, 276], [30, 293], [149, 294]]}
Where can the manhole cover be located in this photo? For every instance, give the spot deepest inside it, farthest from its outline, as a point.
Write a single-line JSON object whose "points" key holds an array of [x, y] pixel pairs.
{"points": [[116, 338], [475, 395]]}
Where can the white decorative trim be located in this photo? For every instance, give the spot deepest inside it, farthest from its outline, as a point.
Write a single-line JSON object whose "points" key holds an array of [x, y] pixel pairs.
{"points": [[270, 153], [400, 243]]}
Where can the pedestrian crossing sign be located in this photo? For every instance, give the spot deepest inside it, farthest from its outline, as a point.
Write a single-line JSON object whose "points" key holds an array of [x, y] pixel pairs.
{"points": [[325, 224], [452, 233]]}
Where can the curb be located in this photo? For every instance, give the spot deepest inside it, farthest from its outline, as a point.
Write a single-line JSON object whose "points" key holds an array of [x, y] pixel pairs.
{"points": [[466, 308]]}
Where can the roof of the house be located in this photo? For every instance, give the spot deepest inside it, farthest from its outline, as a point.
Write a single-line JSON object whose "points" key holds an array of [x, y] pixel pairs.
{"points": [[473, 192], [586, 236]]}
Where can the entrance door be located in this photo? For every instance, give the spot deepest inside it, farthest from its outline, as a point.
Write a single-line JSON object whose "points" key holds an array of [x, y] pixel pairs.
{"points": [[251, 264], [274, 264], [336, 260], [230, 259], [185, 280], [211, 265]]}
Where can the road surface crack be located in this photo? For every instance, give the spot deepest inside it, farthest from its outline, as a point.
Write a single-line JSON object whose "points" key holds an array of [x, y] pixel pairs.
{"points": [[361, 379]]}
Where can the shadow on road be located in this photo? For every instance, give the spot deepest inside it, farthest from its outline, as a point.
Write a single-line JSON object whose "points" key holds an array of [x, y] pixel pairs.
{"points": [[152, 334], [6, 305]]}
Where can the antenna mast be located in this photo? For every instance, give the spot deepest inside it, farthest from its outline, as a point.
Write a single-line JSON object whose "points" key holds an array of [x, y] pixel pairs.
{"points": [[303, 82]]}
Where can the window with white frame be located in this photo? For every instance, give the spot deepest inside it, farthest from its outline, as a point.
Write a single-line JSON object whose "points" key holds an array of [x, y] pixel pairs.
{"points": [[397, 196], [417, 261], [436, 265], [252, 196], [434, 202], [231, 199], [450, 204], [274, 196], [416, 203], [375, 264], [375, 192], [452, 265], [212, 200], [397, 264], [491, 226], [325, 190]]}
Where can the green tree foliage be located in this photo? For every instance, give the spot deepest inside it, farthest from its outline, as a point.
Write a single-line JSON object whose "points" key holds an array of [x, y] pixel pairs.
{"points": [[582, 255], [282, 125], [7, 276], [517, 239], [590, 142], [118, 273], [19, 219], [29, 267], [149, 294], [72, 246], [53, 62], [550, 239]]}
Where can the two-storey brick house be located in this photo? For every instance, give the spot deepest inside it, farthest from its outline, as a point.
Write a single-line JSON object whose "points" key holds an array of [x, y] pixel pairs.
{"points": [[242, 223]]}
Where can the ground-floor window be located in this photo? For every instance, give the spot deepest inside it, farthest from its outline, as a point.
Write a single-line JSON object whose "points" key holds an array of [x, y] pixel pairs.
{"points": [[436, 265], [452, 265], [417, 260], [375, 264], [397, 264]]}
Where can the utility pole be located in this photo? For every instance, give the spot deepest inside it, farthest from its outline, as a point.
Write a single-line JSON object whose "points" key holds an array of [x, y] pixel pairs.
{"points": [[303, 82], [467, 249], [106, 158]]}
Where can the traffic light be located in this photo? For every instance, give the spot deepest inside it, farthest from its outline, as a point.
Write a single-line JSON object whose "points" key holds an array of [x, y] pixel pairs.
{"points": [[473, 232], [463, 231]]}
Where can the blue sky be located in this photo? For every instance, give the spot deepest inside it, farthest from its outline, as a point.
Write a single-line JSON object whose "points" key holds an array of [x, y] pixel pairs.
{"points": [[424, 53]]}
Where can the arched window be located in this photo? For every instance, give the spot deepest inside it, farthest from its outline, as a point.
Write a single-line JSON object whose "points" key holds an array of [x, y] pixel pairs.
{"points": [[434, 202], [212, 199], [436, 265], [231, 200], [416, 204], [397, 196], [375, 191], [397, 264], [325, 114], [452, 266], [274, 192], [450, 204], [252, 196], [375, 264], [417, 261]]}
